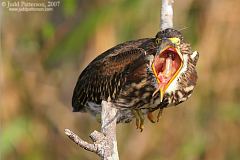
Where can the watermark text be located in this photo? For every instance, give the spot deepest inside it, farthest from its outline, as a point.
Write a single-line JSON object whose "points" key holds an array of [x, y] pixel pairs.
{"points": [[30, 6]]}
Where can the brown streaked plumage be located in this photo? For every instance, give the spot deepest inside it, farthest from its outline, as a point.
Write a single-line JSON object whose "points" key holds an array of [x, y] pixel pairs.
{"points": [[138, 77]]}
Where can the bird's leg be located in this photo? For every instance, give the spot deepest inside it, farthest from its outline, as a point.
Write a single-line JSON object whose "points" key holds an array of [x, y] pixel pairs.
{"points": [[159, 114], [139, 118], [150, 117], [134, 112]]}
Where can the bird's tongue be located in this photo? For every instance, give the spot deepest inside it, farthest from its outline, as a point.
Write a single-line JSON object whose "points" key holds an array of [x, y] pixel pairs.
{"points": [[167, 72]]}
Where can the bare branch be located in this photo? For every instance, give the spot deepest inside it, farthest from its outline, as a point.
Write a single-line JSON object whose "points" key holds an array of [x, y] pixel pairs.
{"points": [[80, 142], [96, 136], [167, 14], [105, 143], [109, 121]]}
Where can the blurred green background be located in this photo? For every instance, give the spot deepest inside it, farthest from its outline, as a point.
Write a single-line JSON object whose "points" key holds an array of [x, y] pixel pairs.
{"points": [[43, 54]]}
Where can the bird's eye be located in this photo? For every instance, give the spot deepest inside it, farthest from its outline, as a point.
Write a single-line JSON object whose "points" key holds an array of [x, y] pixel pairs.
{"points": [[158, 40]]}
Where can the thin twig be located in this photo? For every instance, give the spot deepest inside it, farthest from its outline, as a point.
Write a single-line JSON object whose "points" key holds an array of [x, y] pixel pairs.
{"points": [[80, 142]]}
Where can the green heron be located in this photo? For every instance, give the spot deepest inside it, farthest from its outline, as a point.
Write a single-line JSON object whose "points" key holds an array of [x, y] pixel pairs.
{"points": [[139, 77]]}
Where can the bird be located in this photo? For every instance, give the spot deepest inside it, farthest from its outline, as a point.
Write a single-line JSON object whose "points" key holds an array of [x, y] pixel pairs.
{"points": [[139, 77]]}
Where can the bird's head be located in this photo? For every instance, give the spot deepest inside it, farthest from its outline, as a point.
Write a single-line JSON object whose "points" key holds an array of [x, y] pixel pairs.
{"points": [[170, 59]]}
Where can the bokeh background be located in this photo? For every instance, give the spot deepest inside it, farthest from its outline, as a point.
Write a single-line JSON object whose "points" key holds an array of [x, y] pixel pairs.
{"points": [[43, 53]]}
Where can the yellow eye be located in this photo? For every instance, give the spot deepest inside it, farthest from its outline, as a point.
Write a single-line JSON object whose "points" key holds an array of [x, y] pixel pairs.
{"points": [[158, 40], [175, 40]]}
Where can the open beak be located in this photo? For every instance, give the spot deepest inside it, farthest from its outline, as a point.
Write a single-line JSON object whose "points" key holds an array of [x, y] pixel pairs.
{"points": [[167, 64]]}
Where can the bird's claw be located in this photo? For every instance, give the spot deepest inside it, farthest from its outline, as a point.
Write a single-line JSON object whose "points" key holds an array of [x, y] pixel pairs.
{"points": [[139, 119], [159, 114], [150, 117]]}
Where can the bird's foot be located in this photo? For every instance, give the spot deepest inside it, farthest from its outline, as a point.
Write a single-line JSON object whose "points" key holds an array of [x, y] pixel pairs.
{"points": [[139, 119], [159, 114], [150, 117]]}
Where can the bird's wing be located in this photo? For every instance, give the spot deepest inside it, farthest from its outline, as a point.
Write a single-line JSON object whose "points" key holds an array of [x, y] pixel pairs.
{"points": [[105, 76]]}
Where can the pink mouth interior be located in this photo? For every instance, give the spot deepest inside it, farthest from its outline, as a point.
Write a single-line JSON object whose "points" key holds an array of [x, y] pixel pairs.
{"points": [[166, 65]]}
